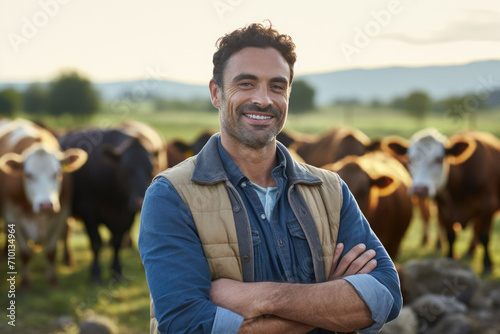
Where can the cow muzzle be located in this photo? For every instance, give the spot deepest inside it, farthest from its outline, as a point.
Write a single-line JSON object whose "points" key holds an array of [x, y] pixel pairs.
{"points": [[47, 207], [420, 191]]}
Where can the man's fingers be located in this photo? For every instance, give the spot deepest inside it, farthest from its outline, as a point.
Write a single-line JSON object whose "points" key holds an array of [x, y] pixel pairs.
{"points": [[360, 263], [347, 260], [368, 267], [336, 256]]}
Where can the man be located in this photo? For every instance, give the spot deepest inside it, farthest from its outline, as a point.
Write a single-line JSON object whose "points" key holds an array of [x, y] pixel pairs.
{"points": [[243, 239]]}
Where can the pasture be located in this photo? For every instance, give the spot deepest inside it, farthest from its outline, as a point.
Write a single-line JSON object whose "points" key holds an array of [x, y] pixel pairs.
{"points": [[126, 304]]}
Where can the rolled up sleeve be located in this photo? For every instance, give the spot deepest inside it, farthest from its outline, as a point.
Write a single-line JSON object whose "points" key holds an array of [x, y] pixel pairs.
{"points": [[376, 296], [380, 289], [226, 322]]}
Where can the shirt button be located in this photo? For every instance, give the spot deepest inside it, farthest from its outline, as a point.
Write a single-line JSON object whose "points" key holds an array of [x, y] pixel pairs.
{"points": [[243, 184], [236, 208], [263, 216], [245, 258], [281, 242]]}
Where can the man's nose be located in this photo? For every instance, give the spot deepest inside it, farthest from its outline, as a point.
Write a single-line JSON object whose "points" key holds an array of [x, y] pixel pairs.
{"points": [[262, 97]]}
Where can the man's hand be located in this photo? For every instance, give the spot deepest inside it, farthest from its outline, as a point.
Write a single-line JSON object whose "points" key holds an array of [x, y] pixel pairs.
{"points": [[355, 262]]}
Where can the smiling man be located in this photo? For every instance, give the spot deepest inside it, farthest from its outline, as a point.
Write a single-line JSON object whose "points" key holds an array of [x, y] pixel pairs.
{"points": [[243, 239]]}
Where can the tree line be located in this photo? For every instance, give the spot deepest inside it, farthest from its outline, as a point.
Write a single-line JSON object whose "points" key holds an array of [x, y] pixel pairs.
{"points": [[72, 93], [69, 92]]}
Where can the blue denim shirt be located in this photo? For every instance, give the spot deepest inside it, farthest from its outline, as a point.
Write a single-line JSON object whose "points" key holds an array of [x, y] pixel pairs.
{"points": [[178, 274]]}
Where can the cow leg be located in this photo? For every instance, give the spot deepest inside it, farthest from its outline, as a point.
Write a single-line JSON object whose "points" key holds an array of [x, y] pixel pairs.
{"points": [[51, 270], [423, 205], [96, 242], [116, 269], [484, 238], [67, 255], [475, 237], [450, 233]]}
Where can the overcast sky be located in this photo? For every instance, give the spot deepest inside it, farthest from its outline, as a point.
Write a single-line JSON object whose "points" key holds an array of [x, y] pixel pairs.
{"points": [[110, 40]]}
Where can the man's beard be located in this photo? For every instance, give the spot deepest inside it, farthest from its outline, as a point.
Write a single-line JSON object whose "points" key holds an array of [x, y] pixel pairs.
{"points": [[235, 128]]}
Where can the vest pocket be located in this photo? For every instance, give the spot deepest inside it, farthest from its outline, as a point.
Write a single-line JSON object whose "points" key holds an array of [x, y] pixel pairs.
{"points": [[301, 248]]}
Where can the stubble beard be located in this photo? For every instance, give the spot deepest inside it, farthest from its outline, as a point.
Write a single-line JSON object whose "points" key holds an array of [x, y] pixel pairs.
{"points": [[257, 138]]}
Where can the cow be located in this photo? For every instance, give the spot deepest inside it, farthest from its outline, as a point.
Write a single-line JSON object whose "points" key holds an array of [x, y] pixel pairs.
{"points": [[35, 189], [461, 172], [380, 185], [109, 188], [337, 143], [333, 145], [150, 139], [178, 150]]}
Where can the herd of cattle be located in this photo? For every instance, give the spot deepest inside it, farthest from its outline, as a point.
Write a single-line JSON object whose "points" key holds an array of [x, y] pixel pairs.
{"points": [[100, 177]]}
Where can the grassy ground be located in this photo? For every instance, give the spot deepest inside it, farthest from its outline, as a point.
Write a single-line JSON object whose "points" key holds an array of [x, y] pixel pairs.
{"points": [[127, 304]]}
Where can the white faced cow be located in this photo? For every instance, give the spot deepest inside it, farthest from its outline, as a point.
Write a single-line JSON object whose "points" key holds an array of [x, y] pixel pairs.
{"points": [[461, 172], [35, 194]]}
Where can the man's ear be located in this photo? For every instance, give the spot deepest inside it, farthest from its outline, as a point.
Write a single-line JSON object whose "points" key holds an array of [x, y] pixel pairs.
{"points": [[215, 94]]}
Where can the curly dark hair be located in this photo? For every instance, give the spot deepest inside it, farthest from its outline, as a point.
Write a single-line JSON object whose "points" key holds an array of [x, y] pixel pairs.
{"points": [[253, 35]]}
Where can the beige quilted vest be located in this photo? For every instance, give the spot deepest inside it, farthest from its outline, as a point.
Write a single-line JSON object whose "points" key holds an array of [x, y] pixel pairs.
{"points": [[220, 242]]}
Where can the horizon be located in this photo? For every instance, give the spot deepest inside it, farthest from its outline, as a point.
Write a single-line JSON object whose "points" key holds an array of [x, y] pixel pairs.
{"points": [[296, 76]]}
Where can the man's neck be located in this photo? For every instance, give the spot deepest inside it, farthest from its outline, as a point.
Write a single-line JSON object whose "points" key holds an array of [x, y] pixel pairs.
{"points": [[256, 164]]}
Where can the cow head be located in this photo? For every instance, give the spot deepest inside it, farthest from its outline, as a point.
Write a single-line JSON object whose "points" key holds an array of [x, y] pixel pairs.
{"points": [[370, 177], [133, 165], [42, 168], [429, 156]]}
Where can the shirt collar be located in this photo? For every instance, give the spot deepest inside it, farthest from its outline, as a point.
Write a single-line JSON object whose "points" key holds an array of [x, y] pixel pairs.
{"points": [[212, 160], [234, 173]]}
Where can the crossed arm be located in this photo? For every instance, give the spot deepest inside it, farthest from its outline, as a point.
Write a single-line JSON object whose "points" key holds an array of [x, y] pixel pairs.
{"points": [[270, 307]]}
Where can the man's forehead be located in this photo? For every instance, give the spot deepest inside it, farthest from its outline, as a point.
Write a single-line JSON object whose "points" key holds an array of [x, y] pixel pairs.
{"points": [[257, 61]]}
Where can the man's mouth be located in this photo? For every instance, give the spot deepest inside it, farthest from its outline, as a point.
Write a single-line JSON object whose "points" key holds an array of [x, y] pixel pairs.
{"points": [[261, 117]]}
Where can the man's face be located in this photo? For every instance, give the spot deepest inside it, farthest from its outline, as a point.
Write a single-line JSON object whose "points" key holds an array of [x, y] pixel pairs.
{"points": [[254, 102]]}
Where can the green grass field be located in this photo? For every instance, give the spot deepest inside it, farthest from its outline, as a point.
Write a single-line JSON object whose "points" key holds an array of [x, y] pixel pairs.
{"points": [[127, 304]]}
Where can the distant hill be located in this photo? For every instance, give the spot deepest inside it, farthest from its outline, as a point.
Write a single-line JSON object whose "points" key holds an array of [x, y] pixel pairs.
{"points": [[389, 82], [365, 85]]}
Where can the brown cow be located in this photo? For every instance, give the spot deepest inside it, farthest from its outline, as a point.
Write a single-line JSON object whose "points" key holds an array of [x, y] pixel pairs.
{"points": [[461, 172], [35, 193], [380, 186], [334, 145]]}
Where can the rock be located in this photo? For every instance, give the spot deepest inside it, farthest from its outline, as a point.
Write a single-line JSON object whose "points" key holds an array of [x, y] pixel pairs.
{"points": [[65, 321], [405, 323], [431, 308], [97, 325], [452, 324], [444, 277]]}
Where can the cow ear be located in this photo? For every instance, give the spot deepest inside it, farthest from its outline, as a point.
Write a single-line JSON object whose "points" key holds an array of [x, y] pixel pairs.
{"points": [[12, 163], [74, 158], [385, 185], [110, 154], [383, 182], [395, 146], [375, 145], [459, 151]]}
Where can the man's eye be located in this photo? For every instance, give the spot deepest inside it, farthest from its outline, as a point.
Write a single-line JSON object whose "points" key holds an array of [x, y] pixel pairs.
{"points": [[245, 84]]}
